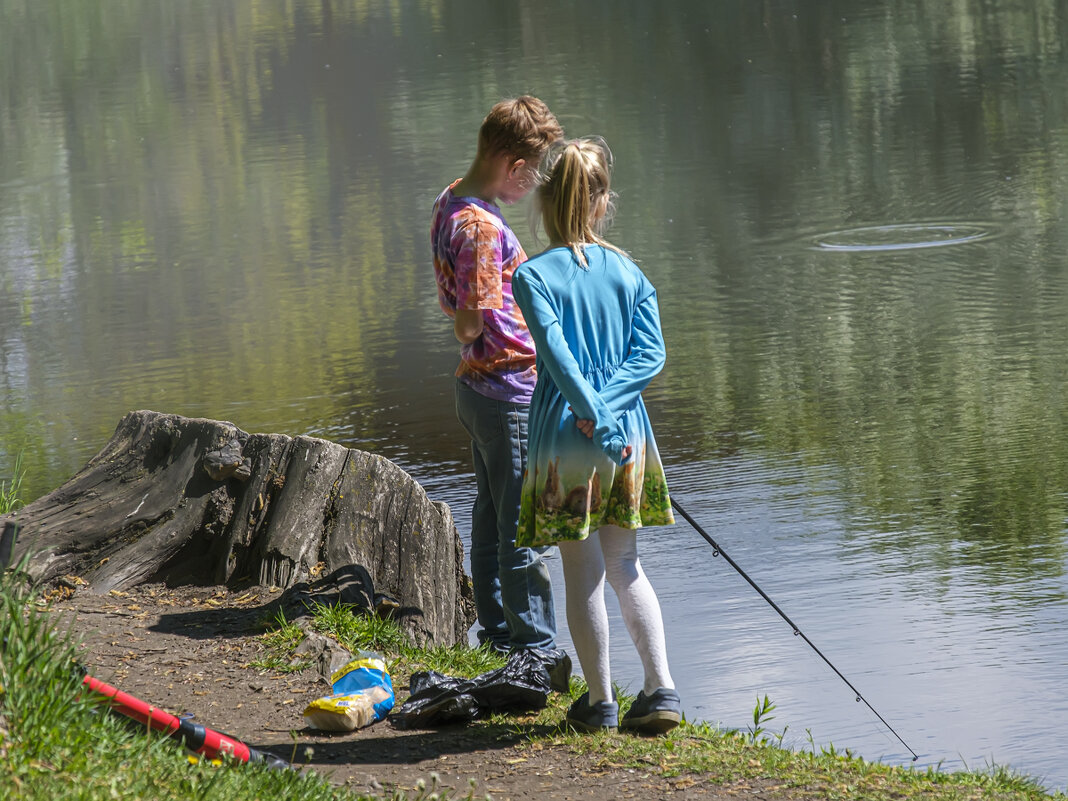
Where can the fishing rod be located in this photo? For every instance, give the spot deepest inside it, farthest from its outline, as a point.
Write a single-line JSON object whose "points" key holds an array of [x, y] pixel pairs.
{"points": [[718, 551], [196, 737]]}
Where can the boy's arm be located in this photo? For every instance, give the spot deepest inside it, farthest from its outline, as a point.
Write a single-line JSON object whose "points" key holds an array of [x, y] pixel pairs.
{"points": [[478, 278], [467, 325]]}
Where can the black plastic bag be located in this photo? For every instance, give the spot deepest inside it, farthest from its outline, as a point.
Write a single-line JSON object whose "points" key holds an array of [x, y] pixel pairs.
{"points": [[522, 684]]}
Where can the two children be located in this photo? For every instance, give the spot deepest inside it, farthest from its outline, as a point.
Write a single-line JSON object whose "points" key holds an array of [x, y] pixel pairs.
{"points": [[593, 473]]}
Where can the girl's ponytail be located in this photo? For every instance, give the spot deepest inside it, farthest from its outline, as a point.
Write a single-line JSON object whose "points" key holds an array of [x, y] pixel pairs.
{"points": [[576, 196]]}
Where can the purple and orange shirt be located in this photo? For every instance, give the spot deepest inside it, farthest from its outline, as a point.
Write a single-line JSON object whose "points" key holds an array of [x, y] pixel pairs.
{"points": [[475, 253]]}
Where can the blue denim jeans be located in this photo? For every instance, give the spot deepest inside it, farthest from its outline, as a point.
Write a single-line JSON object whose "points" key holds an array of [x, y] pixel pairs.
{"points": [[513, 592]]}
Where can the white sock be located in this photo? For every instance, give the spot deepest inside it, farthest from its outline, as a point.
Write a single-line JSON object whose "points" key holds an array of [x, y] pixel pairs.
{"points": [[638, 603], [587, 617], [612, 551]]}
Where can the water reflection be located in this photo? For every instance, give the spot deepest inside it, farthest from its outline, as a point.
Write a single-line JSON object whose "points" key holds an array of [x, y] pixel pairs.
{"points": [[218, 211]]}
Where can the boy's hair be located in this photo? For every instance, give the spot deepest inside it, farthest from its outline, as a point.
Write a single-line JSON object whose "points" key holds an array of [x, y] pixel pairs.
{"points": [[523, 127], [578, 176]]}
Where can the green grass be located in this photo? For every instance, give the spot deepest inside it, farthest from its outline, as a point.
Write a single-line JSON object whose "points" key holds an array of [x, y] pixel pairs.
{"points": [[10, 491], [279, 644], [358, 631], [823, 773], [57, 743], [695, 752]]}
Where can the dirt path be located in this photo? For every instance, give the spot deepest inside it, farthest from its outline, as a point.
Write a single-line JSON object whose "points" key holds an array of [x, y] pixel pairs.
{"points": [[188, 650]]}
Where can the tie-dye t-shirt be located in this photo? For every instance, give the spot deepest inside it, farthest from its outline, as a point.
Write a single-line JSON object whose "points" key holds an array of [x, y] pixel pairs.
{"points": [[475, 253]]}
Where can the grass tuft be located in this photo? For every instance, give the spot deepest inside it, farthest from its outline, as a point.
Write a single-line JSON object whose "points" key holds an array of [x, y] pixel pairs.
{"points": [[357, 630], [279, 644], [10, 493]]}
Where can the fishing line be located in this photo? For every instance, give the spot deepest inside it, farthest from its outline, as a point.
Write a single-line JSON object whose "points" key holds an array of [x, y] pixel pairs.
{"points": [[718, 551]]}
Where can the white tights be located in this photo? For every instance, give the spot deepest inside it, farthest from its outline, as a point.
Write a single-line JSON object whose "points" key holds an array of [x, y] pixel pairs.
{"points": [[612, 552]]}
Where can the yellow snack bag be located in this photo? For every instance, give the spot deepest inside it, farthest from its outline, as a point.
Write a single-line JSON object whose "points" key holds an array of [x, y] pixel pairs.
{"points": [[363, 694]]}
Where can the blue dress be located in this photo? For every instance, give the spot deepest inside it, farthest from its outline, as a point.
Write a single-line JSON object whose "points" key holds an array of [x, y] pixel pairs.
{"points": [[599, 344]]}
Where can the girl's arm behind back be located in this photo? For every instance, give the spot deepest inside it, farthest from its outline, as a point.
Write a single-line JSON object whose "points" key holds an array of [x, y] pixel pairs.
{"points": [[645, 357], [556, 355]]}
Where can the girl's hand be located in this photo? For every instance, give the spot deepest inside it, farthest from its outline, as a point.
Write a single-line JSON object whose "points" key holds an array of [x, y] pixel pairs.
{"points": [[585, 426]]}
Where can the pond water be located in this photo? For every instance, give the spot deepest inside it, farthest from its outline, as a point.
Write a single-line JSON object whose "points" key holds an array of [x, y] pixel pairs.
{"points": [[854, 215]]}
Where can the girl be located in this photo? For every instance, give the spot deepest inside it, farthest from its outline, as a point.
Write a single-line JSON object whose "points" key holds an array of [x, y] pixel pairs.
{"points": [[593, 471]]}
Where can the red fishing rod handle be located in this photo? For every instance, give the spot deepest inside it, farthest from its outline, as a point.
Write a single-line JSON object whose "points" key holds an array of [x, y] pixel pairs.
{"points": [[197, 737], [135, 708]]}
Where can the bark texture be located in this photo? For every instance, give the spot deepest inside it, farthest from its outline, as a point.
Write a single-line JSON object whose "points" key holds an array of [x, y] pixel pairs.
{"points": [[197, 501]]}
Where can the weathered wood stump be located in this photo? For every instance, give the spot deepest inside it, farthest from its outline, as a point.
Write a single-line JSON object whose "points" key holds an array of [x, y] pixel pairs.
{"points": [[196, 501]]}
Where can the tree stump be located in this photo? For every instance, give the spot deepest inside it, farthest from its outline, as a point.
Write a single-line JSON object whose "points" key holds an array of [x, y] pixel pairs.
{"points": [[195, 501]]}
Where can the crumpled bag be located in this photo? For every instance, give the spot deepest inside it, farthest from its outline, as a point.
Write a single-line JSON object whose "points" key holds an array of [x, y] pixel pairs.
{"points": [[363, 693], [522, 684]]}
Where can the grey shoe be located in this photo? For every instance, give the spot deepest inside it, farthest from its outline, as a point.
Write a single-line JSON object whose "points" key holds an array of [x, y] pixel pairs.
{"points": [[654, 714], [602, 716]]}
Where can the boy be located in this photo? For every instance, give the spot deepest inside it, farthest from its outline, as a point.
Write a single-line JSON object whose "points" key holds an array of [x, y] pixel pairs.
{"points": [[475, 253]]}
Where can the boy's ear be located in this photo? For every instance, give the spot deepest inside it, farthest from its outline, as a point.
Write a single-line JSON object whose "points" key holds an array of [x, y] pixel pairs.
{"points": [[515, 166]]}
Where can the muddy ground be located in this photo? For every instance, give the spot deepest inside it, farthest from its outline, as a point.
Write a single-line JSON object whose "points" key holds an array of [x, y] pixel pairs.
{"points": [[189, 650]]}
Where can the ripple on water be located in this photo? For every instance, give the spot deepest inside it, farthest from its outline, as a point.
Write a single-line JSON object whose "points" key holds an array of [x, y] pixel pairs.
{"points": [[903, 236]]}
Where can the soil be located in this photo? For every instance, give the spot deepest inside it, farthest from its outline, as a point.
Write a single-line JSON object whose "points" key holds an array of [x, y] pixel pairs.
{"points": [[188, 650]]}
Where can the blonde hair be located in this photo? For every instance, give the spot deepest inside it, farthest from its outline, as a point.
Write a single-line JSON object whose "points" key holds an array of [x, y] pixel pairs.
{"points": [[577, 180], [522, 127]]}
